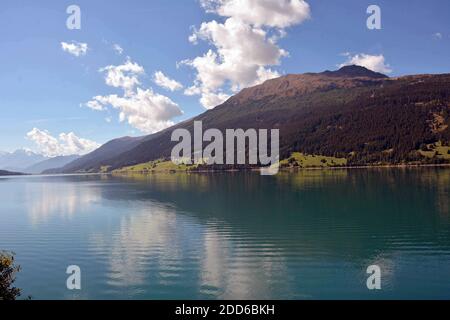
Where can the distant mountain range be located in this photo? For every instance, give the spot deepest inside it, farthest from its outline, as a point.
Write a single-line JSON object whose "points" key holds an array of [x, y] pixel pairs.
{"points": [[102, 155], [19, 160], [30, 162], [353, 113], [52, 163]]}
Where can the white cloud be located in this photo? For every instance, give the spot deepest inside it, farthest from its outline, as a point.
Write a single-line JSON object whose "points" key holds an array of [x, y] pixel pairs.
{"points": [[125, 76], [210, 99], [242, 55], [65, 144], [271, 13], [76, 49], [244, 47], [95, 105], [117, 48], [143, 109], [375, 63], [165, 82]]}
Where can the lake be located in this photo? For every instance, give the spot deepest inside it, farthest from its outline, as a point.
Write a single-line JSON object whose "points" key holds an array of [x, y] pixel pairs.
{"points": [[305, 235]]}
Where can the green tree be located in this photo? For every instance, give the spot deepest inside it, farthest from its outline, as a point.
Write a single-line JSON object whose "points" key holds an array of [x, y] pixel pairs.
{"points": [[8, 271]]}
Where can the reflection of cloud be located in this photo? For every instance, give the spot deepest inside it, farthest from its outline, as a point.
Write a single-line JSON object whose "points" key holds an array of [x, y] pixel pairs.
{"points": [[152, 236], [45, 200], [239, 271], [158, 246]]}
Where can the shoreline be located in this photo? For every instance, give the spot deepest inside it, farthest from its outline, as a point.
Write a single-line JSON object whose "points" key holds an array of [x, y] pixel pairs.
{"points": [[282, 170], [290, 169], [389, 166]]}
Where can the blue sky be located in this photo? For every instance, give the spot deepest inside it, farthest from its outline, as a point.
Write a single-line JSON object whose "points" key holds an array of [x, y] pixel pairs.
{"points": [[47, 88]]}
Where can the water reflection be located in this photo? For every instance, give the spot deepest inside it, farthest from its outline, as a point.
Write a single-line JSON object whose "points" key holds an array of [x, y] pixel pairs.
{"points": [[148, 236], [441, 183], [292, 221], [155, 247], [230, 270], [58, 198], [235, 236]]}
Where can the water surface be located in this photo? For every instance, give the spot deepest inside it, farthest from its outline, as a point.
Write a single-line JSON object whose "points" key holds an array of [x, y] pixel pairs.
{"points": [[306, 235]]}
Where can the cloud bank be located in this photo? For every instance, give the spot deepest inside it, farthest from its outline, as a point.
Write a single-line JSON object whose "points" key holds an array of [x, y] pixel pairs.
{"points": [[143, 109], [66, 143], [244, 46]]}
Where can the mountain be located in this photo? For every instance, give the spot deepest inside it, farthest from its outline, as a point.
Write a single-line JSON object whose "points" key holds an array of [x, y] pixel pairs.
{"points": [[19, 160], [52, 163], [352, 113], [9, 173], [353, 72], [99, 156], [295, 85]]}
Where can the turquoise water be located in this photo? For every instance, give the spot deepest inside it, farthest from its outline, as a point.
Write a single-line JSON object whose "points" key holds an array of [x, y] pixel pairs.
{"points": [[231, 236]]}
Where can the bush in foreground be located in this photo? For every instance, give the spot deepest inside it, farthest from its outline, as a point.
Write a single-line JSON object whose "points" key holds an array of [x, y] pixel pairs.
{"points": [[7, 277]]}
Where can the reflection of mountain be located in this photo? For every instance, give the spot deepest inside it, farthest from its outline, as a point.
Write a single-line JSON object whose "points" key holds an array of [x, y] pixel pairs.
{"points": [[310, 234], [315, 202], [351, 113], [251, 236], [441, 185]]}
